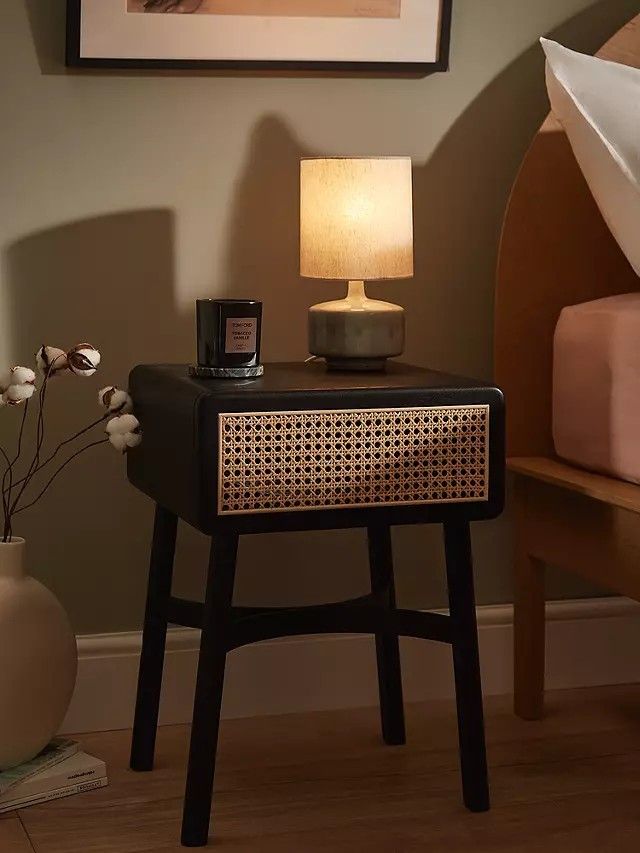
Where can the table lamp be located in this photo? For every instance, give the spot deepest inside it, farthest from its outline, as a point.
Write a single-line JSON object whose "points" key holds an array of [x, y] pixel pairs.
{"points": [[356, 224]]}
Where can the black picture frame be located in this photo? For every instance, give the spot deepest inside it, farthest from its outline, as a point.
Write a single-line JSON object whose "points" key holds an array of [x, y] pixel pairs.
{"points": [[74, 59]]}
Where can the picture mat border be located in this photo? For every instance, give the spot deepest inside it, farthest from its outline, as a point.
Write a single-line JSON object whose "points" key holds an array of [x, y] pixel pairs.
{"points": [[74, 59]]}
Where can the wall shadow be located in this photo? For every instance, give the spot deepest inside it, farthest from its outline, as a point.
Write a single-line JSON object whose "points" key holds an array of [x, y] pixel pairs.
{"points": [[48, 21], [108, 280], [261, 259]]}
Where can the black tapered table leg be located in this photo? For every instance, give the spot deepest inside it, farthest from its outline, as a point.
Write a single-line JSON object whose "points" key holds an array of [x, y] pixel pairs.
{"points": [[466, 663], [153, 640], [209, 687], [387, 646]]}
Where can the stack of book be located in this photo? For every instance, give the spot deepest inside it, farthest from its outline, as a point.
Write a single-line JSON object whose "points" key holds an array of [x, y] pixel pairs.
{"points": [[61, 769]]}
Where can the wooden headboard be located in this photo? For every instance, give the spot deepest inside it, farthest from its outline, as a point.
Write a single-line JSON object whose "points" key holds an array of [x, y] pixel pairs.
{"points": [[555, 250]]}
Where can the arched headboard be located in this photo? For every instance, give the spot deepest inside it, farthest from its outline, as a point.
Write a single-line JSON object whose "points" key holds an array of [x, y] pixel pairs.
{"points": [[555, 250]]}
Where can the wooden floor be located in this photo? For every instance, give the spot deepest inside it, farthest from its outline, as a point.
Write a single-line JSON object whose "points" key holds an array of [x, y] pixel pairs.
{"points": [[324, 782]]}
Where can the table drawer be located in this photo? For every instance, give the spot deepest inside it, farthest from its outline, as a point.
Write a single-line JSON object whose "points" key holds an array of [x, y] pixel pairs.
{"points": [[345, 458]]}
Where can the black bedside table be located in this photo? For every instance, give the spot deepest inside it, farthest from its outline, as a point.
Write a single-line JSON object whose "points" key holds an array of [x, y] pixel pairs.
{"points": [[303, 449]]}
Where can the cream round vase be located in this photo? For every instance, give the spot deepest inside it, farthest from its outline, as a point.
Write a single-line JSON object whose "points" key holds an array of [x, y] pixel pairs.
{"points": [[38, 660]]}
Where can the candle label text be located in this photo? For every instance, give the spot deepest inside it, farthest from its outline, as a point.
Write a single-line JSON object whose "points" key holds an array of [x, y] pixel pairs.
{"points": [[241, 334]]}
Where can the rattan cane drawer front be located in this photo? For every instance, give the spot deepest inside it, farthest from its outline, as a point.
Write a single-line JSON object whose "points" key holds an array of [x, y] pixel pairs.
{"points": [[329, 459]]}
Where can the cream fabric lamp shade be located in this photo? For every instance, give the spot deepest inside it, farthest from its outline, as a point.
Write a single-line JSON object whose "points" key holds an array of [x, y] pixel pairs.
{"points": [[356, 218]]}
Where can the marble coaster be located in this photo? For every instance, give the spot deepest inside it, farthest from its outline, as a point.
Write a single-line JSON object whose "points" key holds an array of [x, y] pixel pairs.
{"points": [[226, 372]]}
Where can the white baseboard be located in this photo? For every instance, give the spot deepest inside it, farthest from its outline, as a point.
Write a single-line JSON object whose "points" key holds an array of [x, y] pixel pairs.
{"points": [[590, 642]]}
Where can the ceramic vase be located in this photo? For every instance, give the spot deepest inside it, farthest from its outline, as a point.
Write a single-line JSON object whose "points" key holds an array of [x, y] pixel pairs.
{"points": [[38, 660]]}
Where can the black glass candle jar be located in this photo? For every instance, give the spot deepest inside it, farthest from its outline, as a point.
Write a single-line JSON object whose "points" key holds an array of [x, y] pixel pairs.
{"points": [[228, 333]]}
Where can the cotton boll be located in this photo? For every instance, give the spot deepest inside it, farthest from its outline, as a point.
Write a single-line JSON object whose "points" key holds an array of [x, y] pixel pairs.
{"points": [[131, 422], [123, 441], [119, 441], [113, 427], [21, 385], [51, 360], [17, 378], [124, 432], [22, 376], [122, 424], [16, 394], [133, 439], [105, 394], [115, 400], [121, 402], [83, 359]]}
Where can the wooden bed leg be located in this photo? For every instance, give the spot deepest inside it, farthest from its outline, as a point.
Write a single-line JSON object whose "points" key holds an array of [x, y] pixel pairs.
{"points": [[529, 621]]}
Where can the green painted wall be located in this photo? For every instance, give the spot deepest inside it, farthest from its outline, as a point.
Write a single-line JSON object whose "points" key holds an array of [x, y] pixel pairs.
{"points": [[126, 195]]}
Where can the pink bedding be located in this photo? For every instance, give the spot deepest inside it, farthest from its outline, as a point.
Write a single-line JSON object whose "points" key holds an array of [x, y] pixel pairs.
{"points": [[596, 386]]}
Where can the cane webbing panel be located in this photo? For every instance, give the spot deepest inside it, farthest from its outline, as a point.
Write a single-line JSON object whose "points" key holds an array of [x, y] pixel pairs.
{"points": [[328, 459]]}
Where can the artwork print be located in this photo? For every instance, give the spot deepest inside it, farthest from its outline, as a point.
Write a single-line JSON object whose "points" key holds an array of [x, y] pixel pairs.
{"points": [[332, 35]]}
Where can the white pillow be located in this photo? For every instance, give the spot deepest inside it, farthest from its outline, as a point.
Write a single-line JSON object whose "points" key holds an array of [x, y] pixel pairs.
{"points": [[598, 104]]}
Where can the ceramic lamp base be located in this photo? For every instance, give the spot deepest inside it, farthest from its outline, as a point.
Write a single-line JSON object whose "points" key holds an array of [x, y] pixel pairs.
{"points": [[358, 365], [356, 333]]}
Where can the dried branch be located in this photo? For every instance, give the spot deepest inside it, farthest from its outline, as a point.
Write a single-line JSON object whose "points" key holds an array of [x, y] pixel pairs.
{"points": [[58, 471], [39, 439], [6, 525], [62, 444], [9, 470]]}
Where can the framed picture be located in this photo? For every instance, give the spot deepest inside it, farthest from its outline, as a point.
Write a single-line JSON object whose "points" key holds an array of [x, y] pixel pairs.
{"points": [[341, 35]]}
